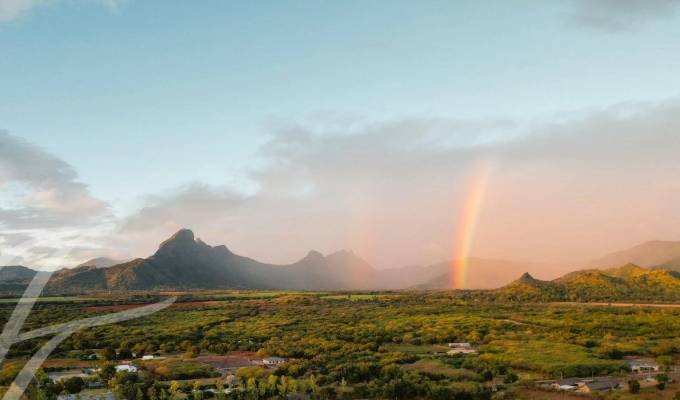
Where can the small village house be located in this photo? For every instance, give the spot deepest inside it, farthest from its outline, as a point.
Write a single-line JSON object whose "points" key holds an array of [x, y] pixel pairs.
{"points": [[643, 366], [461, 348], [126, 368], [273, 361]]}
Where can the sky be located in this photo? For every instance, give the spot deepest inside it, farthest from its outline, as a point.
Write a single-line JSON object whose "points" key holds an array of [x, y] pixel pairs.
{"points": [[276, 127]]}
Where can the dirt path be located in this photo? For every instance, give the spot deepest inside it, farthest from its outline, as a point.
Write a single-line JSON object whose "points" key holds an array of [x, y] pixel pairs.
{"points": [[657, 305]]}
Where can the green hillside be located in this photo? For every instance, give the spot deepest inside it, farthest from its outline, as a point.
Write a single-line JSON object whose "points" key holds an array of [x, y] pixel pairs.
{"points": [[629, 282]]}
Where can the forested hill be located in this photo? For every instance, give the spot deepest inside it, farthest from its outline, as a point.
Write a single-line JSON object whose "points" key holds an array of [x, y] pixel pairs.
{"points": [[630, 282]]}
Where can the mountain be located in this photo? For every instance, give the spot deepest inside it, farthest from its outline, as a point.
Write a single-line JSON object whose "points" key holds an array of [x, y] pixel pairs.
{"points": [[673, 265], [16, 273], [481, 273], [14, 279], [100, 262], [529, 288], [630, 282], [184, 262], [648, 254]]}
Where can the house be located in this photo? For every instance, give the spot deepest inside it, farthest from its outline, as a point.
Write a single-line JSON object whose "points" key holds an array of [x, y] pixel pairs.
{"points": [[273, 361], [461, 348], [643, 366], [126, 368], [567, 385], [599, 385], [581, 385]]}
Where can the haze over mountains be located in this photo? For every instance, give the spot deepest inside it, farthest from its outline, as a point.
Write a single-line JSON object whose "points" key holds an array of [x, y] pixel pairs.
{"points": [[185, 262], [100, 262], [648, 254]]}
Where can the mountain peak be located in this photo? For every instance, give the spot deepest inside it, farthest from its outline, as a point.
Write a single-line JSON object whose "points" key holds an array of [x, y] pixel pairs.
{"points": [[183, 236], [527, 277], [314, 255]]}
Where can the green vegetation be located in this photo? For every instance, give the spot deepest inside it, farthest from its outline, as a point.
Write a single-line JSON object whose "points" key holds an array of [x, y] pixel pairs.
{"points": [[178, 369], [359, 345], [629, 282]]}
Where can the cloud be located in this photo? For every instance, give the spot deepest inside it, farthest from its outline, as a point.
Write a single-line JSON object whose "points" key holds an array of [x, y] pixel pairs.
{"points": [[13, 9], [568, 188], [565, 189], [620, 15], [14, 239], [41, 190], [40, 252]]}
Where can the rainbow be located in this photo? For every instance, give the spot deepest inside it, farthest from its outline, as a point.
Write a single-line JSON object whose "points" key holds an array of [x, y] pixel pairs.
{"points": [[467, 222]]}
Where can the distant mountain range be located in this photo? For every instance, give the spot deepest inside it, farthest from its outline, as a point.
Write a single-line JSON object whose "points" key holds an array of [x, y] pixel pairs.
{"points": [[481, 273], [184, 262], [649, 254]]}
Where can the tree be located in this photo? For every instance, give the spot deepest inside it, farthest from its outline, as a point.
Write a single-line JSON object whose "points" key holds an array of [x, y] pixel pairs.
{"points": [[196, 391], [107, 371], [151, 393], [174, 387], [661, 379], [634, 386], [510, 377], [665, 361], [74, 384], [139, 395], [487, 375], [109, 353], [219, 394]]}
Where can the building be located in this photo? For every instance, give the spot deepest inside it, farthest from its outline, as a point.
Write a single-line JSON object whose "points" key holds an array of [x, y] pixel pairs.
{"points": [[599, 385], [643, 366], [126, 368], [461, 348], [148, 357], [566, 385], [273, 361], [581, 385]]}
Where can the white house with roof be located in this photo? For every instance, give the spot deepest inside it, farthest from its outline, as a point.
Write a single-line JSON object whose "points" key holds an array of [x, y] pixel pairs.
{"points": [[126, 368], [273, 361], [642, 366], [461, 348]]}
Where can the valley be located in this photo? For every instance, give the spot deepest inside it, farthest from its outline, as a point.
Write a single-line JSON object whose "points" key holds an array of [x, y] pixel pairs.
{"points": [[349, 345]]}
